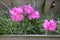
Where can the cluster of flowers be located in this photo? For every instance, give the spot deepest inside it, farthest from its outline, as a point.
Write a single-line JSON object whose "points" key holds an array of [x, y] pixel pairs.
{"points": [[17, 15]]}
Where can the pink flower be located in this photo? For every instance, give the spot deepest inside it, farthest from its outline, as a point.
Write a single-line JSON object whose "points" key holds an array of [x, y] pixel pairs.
{"points": [[49, 25], [16, 11], [34, 15], [16, 14], [28, 9], [17, 18]]}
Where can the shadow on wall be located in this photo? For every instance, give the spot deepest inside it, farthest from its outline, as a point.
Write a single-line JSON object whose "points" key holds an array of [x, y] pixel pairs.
{"points": [[55, 11]]}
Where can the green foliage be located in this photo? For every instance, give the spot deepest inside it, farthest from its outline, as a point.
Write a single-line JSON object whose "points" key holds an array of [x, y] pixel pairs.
{"points": [[43, 6], [7, 26]]}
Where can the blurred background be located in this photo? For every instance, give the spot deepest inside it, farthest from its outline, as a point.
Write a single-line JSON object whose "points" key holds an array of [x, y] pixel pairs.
{"points": [[49, 6]]}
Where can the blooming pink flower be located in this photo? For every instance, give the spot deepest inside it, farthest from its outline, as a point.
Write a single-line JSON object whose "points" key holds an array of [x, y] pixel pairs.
{"points": [[17, 18], [30, 12], [49, 25], [16, 14], [16, 11], [28, 9], [34, 15]]}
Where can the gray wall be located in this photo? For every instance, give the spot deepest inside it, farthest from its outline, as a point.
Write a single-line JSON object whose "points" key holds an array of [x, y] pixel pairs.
{"points": [[37, 5]]}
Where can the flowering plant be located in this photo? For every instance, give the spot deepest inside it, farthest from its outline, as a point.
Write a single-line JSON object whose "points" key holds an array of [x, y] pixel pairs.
{"points": [[26, 20]]}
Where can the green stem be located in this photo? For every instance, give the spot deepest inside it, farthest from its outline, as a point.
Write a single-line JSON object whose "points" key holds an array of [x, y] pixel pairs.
{"points": [[46, 32]]}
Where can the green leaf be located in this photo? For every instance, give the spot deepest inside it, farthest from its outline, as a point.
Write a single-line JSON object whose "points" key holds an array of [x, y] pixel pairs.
{"points": [[43, 7]]}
